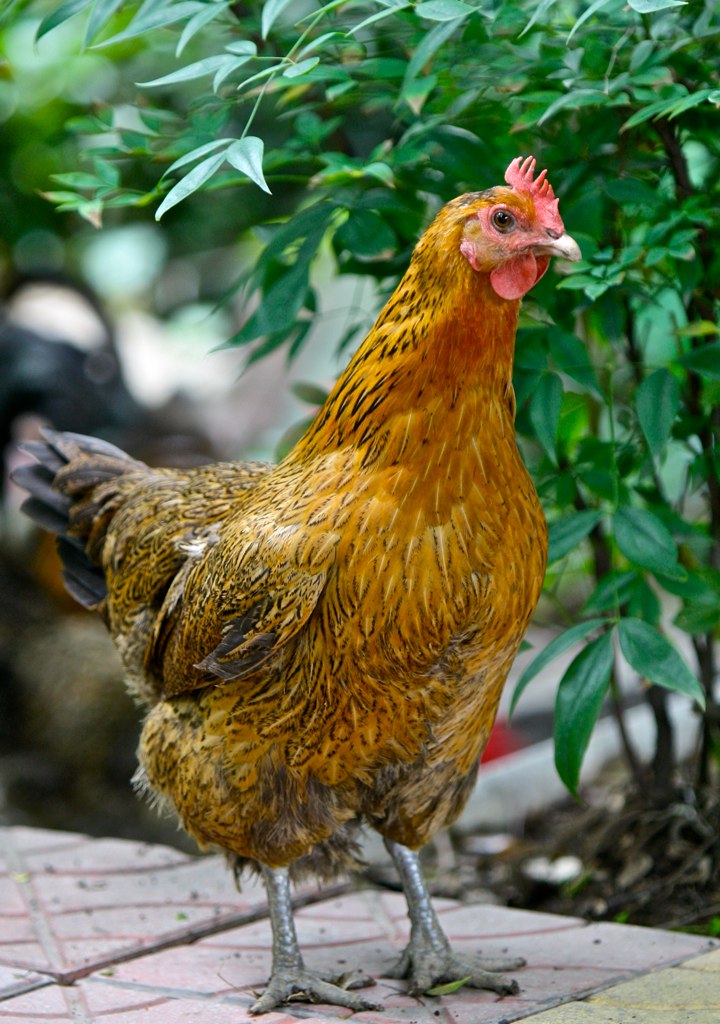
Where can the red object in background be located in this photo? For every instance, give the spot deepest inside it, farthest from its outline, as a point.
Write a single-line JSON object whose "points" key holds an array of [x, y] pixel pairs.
{"points": [[503, 741]]}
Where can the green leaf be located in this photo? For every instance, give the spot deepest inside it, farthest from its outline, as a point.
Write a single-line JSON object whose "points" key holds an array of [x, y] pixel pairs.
{"points": [[247, 155], [643, 603], [650, 6], [571, 357], [365, 235], [392, 8], [653, 657], [272, 10], [698, 329], [206, 66], [279, 307], [633, 190], [652, 110], [426, 48], [152, 17], [544, 411], [587, 13], [611, 591], [693, 100], [199, 21], [579, 699], [565, 534], [195, 154], [540, 10], [554, 649], [100, 15], [190, 183], [575, 99], [449, 987], [704, 361], [301, 68], [308, 392], [646, 541], [657, 401], [62, 13], [443, 10]]}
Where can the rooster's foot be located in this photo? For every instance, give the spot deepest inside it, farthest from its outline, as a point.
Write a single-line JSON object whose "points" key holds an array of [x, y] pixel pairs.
{"points": [[301, 985], [428, 960], [427, 965], [289, 978]]}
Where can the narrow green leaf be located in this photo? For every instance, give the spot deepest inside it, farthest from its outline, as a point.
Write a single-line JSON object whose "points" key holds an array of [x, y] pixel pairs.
{"points": [[190, 183], [704, 361], [78, 179], [653, 657], [319, 42], [223, 73], [578, 702], [242, 48], [387, 12], [206, 66], [587, 13], [443, 10], [693, 100], [199, 21], [149, 18], [272, 10], [554, 649], [611, 591], [650, 6], [449, 987], [427, 47], [247, 156], [62, 13], [540, 10], [646, 541], [574, 99], [279, 307], [100, 15], [652, 110], [698, 329], [366, 235], [571, 357], [643, 603], [196, 154], [544, 411], [657, 401], [565, 534], [301, 68], [308, 392]]}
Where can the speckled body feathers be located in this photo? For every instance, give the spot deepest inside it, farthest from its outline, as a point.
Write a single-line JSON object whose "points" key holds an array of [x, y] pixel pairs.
{"points": [[325, 641]]}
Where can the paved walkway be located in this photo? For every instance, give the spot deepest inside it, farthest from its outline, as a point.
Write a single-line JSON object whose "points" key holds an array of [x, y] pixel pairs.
{"points": [[101, 930]]}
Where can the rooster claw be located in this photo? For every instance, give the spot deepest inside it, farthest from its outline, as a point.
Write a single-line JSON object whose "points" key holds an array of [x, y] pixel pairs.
{"points": [[301, 985], [428, 969]]}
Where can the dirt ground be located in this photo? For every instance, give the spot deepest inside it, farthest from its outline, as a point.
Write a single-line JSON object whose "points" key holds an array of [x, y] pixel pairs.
{"points": [[622, 855]]}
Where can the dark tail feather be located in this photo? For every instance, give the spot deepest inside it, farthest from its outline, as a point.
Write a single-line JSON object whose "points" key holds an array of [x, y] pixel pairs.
{"points": [[68, 468]]}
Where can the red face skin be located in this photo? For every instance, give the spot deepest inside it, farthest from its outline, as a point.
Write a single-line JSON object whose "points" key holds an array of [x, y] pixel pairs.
{"points": [[513, 240]]}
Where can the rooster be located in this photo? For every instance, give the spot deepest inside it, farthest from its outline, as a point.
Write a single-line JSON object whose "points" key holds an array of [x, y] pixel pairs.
{"points": [[322, 643]]}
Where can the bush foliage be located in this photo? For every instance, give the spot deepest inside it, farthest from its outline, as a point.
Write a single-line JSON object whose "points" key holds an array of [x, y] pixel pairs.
{"points": [[347, 125]]}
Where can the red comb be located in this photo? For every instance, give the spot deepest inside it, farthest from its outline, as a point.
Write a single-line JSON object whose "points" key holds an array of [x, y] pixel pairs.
{"points": [[521, 175]]}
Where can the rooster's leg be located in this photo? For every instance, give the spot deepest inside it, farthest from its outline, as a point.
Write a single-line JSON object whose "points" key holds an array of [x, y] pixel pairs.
{"points": [[428, 959], [290, 978]]}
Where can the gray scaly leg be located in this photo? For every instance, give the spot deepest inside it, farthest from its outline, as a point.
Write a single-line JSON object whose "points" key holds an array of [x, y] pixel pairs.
{"points": [[428, 959], [290, 978]]}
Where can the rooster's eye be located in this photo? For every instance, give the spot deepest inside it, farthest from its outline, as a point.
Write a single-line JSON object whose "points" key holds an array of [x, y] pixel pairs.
{"points": [[503, 220]]}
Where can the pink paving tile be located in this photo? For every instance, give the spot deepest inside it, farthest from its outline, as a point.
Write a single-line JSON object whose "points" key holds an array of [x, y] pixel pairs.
{"points": [[366, 930], [14, 980], [71, 908], [71, 903]]}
